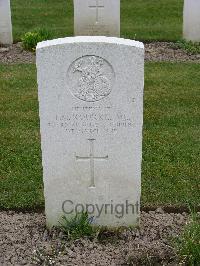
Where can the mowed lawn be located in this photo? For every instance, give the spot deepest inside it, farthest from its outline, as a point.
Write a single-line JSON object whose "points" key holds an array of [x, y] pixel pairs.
{"points": [[171, 146], [140, 19]]}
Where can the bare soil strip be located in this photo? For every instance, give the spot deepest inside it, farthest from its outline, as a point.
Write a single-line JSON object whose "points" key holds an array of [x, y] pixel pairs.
{"points": [[155, 51], [25, 241]]}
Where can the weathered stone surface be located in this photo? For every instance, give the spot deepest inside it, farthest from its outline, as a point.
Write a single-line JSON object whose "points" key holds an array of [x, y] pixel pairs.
{"points": [[91, 113], [191, 20], [97, 17], [5, 23]]}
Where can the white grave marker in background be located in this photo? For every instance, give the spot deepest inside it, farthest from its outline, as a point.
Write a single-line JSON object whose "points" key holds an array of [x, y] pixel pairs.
{"points": [[97, 17], [5, 22], [91, 115], [191, 20]]}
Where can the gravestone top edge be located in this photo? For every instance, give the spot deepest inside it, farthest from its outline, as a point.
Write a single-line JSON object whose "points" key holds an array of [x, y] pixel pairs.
{"points": [[90, 39]]}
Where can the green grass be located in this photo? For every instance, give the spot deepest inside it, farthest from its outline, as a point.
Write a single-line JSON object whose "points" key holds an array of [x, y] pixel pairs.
{"points": [[140, 19], [20, 164], [171, 146], [55, 16], [31, 39], [78, 226], [171, 161], [189, 46], [187, 244], [151, 19]]}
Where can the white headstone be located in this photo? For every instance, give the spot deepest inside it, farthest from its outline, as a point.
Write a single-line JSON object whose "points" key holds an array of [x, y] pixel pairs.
{"points": [[91, 115], [97, 17], [5, 22], [191, 20]]}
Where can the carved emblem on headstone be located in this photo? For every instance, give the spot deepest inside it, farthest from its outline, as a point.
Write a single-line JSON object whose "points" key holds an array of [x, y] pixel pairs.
{"points": [[91, 78]]}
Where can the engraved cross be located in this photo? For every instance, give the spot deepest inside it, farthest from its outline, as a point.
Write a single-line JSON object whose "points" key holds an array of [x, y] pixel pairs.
{"points": [[97, 6], [92, 159]]}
